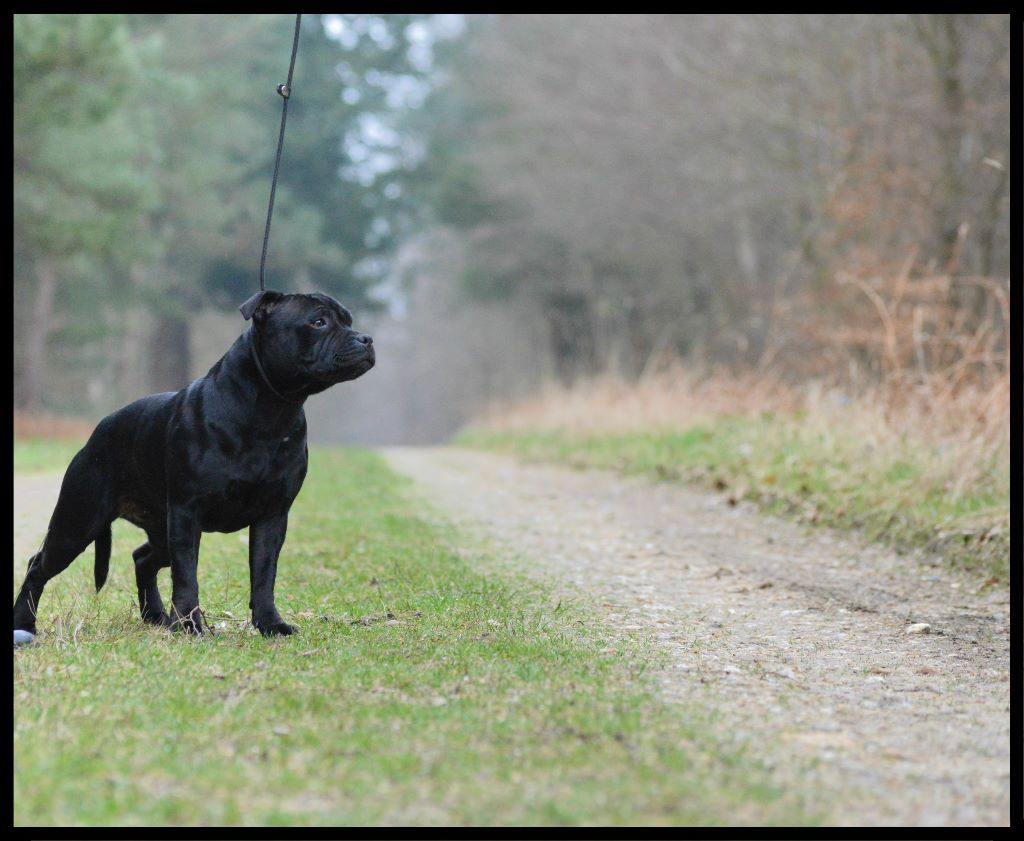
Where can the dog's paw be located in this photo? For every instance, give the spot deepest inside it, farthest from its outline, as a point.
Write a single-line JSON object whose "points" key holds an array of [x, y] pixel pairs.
{"points": [[276, 628], [190, 624], [187, 627], [160, 619], [23, 637]]}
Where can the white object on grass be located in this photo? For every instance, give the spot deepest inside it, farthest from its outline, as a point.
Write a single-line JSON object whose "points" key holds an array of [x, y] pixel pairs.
{"points": [[23, 637]]}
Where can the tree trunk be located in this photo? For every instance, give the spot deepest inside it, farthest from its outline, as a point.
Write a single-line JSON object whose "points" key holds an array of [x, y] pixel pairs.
{"points": [[941, 35], [171, 358], [989, 224], [129, 349], [572, 343], [36, 347]]}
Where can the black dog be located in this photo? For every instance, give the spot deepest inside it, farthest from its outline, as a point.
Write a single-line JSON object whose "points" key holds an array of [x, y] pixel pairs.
{"points": [[228, 451]]}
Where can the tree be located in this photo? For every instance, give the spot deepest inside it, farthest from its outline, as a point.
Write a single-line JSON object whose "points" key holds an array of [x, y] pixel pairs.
{"points": [[668, 183], [78, 194], [330, 231]]}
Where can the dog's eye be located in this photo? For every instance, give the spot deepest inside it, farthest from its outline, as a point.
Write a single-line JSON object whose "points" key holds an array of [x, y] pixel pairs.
{"points": [[319, 322]]}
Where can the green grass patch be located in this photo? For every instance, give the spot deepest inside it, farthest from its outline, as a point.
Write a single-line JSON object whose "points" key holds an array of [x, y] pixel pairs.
{"points": [[41, 454], [421, 689], [823, 477]]}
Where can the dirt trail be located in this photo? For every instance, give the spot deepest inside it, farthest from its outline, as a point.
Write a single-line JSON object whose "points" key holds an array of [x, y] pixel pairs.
{"points": [[798, 640], [35, 494]]}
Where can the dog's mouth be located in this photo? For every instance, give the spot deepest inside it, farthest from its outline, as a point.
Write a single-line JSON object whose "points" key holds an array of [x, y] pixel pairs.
{"points": [[362, 362]]}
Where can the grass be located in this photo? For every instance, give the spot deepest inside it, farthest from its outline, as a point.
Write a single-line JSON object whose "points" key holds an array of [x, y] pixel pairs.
{"points": [[42, 454], [894, 490], [422, 689]]}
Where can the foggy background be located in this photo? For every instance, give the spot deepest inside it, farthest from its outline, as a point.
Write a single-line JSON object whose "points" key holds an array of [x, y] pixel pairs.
{"points": [[504, 201]]}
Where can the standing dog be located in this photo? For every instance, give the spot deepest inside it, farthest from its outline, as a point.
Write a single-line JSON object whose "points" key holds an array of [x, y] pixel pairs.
{"points": [[228, 451]]}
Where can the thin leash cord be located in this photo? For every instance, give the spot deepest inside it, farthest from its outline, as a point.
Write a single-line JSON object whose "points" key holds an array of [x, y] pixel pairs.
{"points": [[285, 91]]}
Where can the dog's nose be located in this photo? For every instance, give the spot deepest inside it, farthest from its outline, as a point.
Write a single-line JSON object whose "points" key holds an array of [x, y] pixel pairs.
{"points": [[362, 338]]}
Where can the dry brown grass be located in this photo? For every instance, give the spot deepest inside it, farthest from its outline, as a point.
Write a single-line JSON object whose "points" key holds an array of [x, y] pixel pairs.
{"points": [[916, 363], [974, 418]]}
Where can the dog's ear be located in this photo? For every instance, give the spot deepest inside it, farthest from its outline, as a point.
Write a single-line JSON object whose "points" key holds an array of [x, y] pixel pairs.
{"points": [[259, 305]]}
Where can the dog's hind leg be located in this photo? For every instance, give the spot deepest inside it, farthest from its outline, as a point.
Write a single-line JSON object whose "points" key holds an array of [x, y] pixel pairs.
{"points": [[58, 551], [83, 514], [149, 560]]}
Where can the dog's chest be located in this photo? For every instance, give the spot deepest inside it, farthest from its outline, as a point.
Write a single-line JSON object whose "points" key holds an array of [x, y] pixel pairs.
{"points": [[262, 482], [242, 503]]}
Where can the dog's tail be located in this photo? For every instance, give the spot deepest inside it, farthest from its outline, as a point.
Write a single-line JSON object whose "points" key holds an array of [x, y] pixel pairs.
{"points": [[102, 557]]}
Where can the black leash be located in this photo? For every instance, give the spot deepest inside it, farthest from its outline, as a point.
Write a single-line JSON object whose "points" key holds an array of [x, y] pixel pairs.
{"points": [[285, 91]]}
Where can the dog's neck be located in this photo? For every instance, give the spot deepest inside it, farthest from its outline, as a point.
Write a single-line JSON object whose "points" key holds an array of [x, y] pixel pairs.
{"points": [[240, 377], [298, 397]]}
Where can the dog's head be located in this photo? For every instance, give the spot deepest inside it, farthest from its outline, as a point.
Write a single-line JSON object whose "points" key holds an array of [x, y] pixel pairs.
{"points": [[307, 341]]}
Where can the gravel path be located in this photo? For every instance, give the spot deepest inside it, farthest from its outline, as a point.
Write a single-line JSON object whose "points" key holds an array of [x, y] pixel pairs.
{"points": [[798, 640], [35, 494]]}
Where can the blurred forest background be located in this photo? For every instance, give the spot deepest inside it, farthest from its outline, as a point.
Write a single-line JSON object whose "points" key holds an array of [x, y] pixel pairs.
{"points": [[511, 201]]}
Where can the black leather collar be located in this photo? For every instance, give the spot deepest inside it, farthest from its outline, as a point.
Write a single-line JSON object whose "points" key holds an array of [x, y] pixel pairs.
{"points": [[263, 374]]}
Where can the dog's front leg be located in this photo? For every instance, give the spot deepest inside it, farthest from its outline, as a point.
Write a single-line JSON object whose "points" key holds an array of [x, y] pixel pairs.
{"points": [[266, 537], [183, 533]]}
